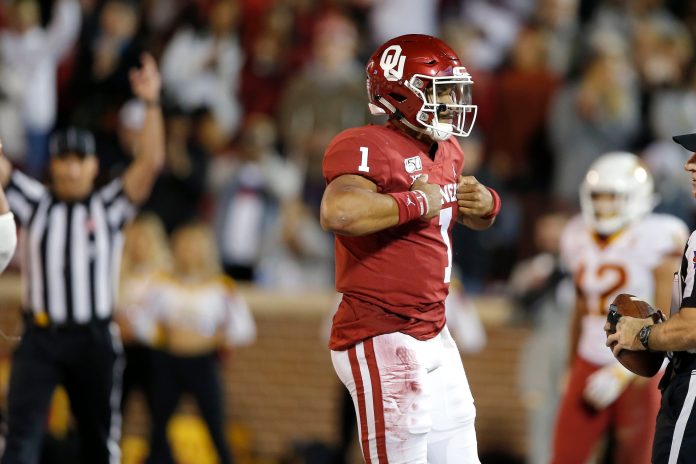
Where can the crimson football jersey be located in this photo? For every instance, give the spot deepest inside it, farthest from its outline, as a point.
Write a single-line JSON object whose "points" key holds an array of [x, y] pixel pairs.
{"points": [[397, 279]]}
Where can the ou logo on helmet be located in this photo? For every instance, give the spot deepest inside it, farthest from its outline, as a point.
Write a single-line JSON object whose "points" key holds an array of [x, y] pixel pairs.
{"points": [[392, 62]]}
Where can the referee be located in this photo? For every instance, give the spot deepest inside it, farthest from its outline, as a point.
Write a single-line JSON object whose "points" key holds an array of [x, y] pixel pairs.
{"points": [[70, 260], [675, 431]]}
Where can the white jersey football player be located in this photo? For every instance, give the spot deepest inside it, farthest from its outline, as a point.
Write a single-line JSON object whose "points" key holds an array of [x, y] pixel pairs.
{"points": [[617, 245]]}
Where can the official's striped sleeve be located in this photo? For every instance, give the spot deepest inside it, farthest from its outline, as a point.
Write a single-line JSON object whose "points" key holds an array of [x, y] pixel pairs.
{"points": [[119, 209], [24, 193], [688, 273]]}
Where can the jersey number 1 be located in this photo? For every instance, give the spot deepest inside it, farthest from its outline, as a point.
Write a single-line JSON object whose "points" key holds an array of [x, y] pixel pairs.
{"points": [[363, 160]]}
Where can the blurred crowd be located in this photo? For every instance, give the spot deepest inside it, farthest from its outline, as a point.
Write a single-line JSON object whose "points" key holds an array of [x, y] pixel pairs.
{"points": [[255, 89]]}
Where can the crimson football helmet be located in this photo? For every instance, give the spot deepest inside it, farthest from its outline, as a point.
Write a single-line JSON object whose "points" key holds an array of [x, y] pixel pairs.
{"points": [[419, 80]]}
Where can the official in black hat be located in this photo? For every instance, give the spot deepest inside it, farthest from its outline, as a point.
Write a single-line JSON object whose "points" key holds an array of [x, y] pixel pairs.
{"points": [[675, 428], [73, 242], [73, 166], [687, 141]]}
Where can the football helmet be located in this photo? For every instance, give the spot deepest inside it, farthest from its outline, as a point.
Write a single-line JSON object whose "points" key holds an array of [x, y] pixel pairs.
{"points": [[617, 190], [419, 80]]}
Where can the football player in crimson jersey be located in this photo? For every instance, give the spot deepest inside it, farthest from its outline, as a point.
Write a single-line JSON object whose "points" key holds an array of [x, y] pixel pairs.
{"points": [[616, 246], [393, 194]]}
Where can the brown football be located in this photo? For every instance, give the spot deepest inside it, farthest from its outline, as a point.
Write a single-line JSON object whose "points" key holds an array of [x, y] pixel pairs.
{"points": [[643, 363]]}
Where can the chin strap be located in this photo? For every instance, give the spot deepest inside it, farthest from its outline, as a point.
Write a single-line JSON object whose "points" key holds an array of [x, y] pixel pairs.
{"points": [[408, 124], [429, 131]]}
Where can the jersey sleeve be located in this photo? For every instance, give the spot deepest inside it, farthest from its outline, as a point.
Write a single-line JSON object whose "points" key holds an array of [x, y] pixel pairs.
{"points": [[23, 194], [119, 209], [687, 274], [357, 154], [570, 251], [662, 236]]}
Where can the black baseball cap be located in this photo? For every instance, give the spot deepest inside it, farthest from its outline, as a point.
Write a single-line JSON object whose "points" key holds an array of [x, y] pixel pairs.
{"points": [[687, 141], [72, 141]]}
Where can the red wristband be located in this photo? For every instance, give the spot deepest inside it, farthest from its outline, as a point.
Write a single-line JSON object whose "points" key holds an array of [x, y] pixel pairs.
{"points": [[412, 205], [496, 205]]}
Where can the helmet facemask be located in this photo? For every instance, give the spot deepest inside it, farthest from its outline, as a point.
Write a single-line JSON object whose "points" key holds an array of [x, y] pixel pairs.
{"points": [[608, 210], [612, 196], [447, 108]]}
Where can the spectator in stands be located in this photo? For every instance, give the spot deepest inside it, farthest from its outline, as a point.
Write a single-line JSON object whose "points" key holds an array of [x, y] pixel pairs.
{"points": [[519, 154], [12, 131], [299, 255], [109, 47], [191, 315], [596, 114], [325, 98], [497, 24], [495, 252], [33, 53], [560, 22], [542, 289], [118, 148], [201, 66], [673, 111], [464, 39], [177, 195], [270, 61], [392, 18], [257, 181]]}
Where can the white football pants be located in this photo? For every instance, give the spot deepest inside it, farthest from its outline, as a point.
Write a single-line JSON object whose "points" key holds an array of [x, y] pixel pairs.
{"points": [[412, 400]]}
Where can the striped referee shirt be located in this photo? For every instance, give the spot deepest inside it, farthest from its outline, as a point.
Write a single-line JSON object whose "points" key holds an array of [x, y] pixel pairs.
{"points": [[71, 250], [683, 294]]}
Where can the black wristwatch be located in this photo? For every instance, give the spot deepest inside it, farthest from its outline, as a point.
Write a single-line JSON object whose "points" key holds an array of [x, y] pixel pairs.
{"points": [[644, 335]]}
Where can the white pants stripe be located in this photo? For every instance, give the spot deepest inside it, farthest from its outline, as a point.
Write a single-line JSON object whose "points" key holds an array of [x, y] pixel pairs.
{"points": [[368, 392], [369, 402], [680, 426]]}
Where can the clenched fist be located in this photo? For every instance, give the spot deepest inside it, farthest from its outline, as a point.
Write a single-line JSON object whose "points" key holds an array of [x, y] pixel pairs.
{"points": [[432, 193], [473, 198]]}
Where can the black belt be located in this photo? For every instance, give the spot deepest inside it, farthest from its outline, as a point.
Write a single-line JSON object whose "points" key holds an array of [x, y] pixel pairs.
{"points": [[40, 321], [683, 361], [680, 363]]}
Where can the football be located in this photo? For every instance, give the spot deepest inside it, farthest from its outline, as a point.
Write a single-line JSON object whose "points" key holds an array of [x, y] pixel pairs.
{"points": [[643, 363]]}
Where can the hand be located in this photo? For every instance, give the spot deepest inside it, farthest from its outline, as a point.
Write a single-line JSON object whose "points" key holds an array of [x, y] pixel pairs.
{"points": [[432, 193], [626, 335], [146, 82], [605, 385], [473, 198]]}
